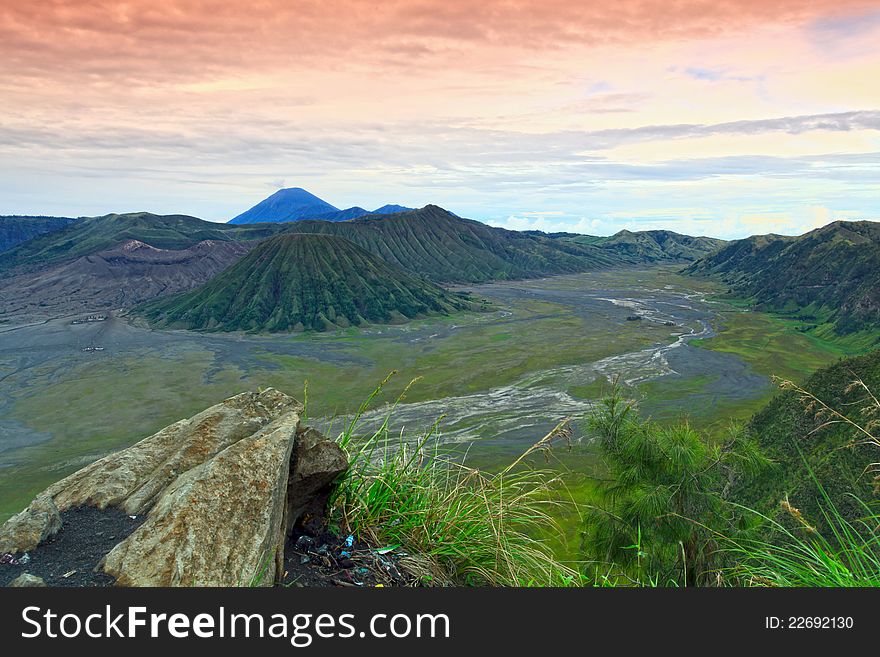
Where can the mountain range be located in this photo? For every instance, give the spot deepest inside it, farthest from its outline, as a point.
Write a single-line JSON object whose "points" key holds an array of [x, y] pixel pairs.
{"points": [[121, 260], [829, 277], [297, 204], [438, 245], [429, 242], [652, 245]]}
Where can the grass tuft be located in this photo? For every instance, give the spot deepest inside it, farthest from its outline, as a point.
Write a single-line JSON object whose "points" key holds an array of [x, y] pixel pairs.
{"points": [[460, 525], [847, 555]]}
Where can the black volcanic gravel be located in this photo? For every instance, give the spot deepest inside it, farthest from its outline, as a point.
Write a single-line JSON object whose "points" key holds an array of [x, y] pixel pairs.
{"points": [[86, 535]]}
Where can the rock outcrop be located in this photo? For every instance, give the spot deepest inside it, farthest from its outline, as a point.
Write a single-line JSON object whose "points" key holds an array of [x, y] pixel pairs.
{"points": [[26, 580], [26, 530], [221, 492], [182, 542], [134, 478], [316, 464]]}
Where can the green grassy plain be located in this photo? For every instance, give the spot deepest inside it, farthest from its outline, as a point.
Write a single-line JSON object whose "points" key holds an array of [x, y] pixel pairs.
{"points": [[773, 345], [94, 410], [111, 402], [97, 405]]}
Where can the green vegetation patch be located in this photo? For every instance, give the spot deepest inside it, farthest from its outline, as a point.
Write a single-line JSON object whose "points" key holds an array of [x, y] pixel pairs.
{"points": [[773, 345], [811, 447]]}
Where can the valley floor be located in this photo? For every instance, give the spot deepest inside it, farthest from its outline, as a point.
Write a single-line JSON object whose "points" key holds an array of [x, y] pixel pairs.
{"points": [[499, 380]]}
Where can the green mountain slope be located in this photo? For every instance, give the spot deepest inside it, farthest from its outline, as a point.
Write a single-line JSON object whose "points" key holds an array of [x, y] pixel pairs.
{"points": [[296, 282], [429, 242], [660, 245], [837, 456], [17, 229], [438, 245], [96, 234], [644, 247], [828, 276]]}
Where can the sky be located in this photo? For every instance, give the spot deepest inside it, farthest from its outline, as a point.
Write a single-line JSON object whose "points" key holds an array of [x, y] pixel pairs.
{"points": [[723, 118]]}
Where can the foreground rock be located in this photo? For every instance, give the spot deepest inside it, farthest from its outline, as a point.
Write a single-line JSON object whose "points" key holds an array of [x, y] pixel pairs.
{"points": [[220, 523], [26, 580], [221, 490], [133, 478], [26, 530]]}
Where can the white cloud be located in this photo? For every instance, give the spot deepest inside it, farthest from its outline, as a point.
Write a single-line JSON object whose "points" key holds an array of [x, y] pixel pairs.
{"points": [[548, 222]]}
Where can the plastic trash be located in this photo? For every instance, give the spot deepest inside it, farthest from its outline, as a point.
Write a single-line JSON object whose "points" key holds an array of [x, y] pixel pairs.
{"points": [[8, 559], [304, 542], [349, 541], [25, 558]]}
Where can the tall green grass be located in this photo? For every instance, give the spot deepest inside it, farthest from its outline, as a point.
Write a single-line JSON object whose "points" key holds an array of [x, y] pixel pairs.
{"points": [[846, 553], [462, 526]]}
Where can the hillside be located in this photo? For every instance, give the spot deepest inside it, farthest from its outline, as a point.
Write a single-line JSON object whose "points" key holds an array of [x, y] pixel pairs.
{"points": [[436, 244], [830, 275], [17, 229], [116, 278], [96, 234], [659, 245], [297, 282], [787, 433], [643, 247]]}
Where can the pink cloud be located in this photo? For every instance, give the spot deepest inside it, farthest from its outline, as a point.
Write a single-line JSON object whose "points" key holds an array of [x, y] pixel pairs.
{"points": [[148, 40]]}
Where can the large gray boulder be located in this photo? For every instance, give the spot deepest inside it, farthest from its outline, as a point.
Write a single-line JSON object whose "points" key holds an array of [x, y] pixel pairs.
{"points": [[219, 524], [221, 492], [132, 479]]}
